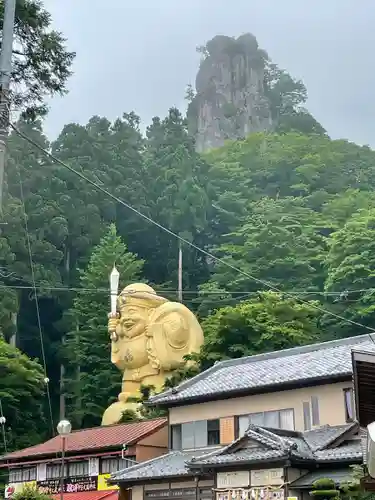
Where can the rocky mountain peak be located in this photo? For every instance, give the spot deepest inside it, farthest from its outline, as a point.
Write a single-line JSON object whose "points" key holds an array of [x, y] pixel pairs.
{"points": [[229, 101]]}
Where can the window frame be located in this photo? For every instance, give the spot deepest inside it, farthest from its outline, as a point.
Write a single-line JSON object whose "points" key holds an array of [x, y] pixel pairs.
{"points": [[172, 428], [315, 413], [196, 425], [345, 391], [214, 430], [118, 460], [22, 474], [72, 464], [306, 410], [248, 415]]}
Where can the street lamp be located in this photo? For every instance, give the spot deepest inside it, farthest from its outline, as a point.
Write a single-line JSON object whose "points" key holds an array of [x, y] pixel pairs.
{"points": [[64, 428]]}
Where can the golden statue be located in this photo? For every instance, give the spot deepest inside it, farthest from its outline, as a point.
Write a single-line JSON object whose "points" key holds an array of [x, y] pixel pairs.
{"points": [[149, 338]]}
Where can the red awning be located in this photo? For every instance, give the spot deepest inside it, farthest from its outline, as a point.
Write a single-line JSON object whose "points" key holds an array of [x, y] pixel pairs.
{"points": [[90, 495]]}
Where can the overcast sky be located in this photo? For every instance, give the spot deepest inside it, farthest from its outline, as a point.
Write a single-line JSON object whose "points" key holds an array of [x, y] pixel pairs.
{"points": [[140, 55]]}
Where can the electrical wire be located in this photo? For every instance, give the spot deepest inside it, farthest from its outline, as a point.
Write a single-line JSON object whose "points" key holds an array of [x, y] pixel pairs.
{"points": [[28, 242], [191, 292], [180, 238]]}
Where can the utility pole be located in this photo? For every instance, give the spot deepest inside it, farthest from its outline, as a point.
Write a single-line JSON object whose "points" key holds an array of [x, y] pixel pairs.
{"points": [[5, 74], [179, 271]]}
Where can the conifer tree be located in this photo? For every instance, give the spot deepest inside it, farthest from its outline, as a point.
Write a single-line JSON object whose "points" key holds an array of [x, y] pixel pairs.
{"points": [[92, 381]]}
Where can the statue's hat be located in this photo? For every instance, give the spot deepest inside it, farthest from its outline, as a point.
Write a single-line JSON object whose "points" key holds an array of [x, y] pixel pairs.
{"points": [[142, 295]]}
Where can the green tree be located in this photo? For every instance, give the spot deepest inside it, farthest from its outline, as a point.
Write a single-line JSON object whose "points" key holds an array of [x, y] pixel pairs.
{"points": [[343, 205], [279, 244], [31, 197], [110, 155], [31, 493], [325, 489], [177, 198], [22, 396], [286, 96], [266, 323], [278, 165], [353, 488], [350, 269], [41, 62], [92, 381]]}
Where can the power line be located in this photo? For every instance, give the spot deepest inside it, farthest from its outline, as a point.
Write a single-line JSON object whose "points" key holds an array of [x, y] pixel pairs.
{"points": [[192, 292], [46, 379], [180, 238]]}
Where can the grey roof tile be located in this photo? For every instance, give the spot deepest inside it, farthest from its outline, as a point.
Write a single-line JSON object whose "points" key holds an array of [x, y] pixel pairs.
{"points": [[273, 444], [290, 444], [350, 451], [172, 464], [299, 364], [339, 476], [260, 454], [323, 436]]}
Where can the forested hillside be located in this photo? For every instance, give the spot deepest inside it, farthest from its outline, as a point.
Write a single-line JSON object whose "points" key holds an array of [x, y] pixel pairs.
{"points": [[293, 215], [285, 219]]}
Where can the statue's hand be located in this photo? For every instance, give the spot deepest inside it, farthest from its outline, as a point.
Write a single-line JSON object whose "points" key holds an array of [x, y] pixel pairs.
{"points": [[112, 324]]}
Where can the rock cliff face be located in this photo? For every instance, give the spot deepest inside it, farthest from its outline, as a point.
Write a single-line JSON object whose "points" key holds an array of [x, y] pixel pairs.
{"points": [[230, 101]]}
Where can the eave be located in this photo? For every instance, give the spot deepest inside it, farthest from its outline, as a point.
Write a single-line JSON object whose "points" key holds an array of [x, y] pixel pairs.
{"points": [[71, 455], [264, 389], [364, 386], [154, 479]]}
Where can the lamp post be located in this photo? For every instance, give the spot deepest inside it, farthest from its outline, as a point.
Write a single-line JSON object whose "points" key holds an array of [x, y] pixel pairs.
{"points": [[64, 428]]}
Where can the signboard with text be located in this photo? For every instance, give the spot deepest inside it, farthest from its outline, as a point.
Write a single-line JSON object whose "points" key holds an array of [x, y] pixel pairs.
{"points": [[237, 479], [267, 477], [71, 485]]}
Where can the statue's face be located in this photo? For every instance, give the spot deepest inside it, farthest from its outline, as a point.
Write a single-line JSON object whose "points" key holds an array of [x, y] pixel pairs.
{"points": [[133, 320]]}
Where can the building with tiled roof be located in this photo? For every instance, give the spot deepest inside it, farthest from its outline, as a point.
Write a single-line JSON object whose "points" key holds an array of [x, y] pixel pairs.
{"points": [[91, 455], [93, 439], [240, 466], [260, 424], [273, 371]]}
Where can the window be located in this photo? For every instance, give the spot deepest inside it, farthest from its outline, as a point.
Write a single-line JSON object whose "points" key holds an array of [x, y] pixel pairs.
{"points": [[349, 404], [176, 437], [110, 465], [54, 471], [79, 468], [22, 474], [311, 416], [213, 432], [306, 416], [278, 419], [197, 434], [315, 410]]}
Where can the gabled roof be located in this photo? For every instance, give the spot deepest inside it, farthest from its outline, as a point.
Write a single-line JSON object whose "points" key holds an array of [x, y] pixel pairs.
{"points": [[338, 444], [92, 439], [326, 362], [339, 476], [326, 444], [172, 464]]}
